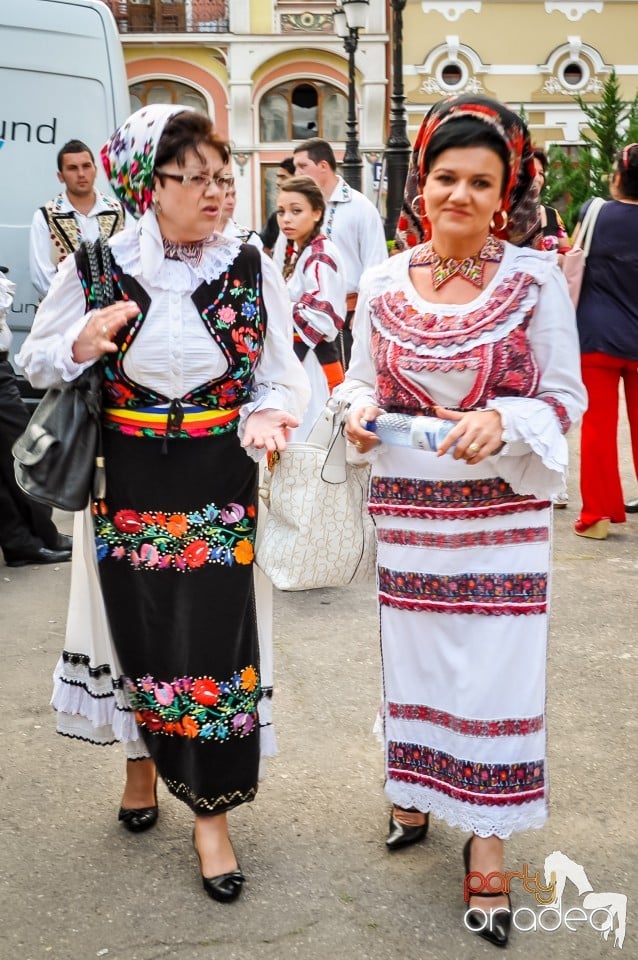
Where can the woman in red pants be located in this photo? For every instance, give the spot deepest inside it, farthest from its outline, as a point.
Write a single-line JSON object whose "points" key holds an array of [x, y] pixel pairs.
{"points": [[608, 328]]}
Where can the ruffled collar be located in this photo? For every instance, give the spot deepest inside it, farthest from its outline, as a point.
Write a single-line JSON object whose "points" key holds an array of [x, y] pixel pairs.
{"points": [[139, 251]]}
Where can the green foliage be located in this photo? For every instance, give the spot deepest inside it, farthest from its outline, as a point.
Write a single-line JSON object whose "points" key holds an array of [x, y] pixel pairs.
{"points": [[611, 123], [567, 185]]}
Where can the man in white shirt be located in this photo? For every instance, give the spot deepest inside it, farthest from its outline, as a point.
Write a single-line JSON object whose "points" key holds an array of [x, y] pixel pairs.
{"points": [[79, 213], [351, 221]]}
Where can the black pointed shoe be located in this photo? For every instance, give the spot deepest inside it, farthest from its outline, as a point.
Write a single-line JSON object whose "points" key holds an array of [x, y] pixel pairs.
{"points": [[492, 924], [138, 819], [225, 887], [401, 835]]}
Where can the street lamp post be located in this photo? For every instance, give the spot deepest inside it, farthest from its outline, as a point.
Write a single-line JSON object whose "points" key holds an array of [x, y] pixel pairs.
{"points": [[397, 148], [349, 18]]}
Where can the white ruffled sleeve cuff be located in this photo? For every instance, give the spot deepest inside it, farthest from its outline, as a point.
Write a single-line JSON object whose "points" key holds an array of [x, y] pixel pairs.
{"points": [[535, 456]]}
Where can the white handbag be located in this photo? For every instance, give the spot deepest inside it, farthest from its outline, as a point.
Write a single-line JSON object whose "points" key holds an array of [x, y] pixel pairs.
{"points": [[318, 532]]}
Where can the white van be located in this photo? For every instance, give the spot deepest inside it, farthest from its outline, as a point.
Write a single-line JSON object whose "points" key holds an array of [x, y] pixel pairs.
{"points": [[62, 77]]}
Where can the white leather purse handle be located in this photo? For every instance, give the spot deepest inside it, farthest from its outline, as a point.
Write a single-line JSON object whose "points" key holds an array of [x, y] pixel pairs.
{"points": [[586, 232]]}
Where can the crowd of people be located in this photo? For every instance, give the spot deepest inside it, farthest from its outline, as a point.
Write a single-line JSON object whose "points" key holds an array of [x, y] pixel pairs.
{"points": [[222, 346]]}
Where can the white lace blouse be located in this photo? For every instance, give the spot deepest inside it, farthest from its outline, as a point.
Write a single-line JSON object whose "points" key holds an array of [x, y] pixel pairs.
{"points": [[173, 352]]}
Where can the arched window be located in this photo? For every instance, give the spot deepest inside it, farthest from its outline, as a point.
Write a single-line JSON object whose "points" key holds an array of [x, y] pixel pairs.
{"points": [[298, 110], [166, 91]]}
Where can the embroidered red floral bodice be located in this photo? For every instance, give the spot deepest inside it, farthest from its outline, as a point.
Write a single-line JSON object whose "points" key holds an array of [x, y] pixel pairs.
{"points": [[407, 342]]}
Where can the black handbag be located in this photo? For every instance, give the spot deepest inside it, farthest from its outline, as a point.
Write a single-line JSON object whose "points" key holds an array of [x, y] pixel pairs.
{"points": [[58, 459]]}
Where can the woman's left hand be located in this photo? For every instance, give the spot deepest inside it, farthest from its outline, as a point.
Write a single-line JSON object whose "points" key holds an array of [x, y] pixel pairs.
{"points": [[478, 434], [269, 429]]}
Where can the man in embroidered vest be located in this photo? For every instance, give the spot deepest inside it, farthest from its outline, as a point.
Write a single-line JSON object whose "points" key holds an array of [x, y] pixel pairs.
{"points": [[351, 221], [79, 213]]}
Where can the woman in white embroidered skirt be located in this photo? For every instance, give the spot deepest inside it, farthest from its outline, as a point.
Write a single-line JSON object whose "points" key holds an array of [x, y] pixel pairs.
{"points": [[199, 380], [316, 281], [472, 325]]}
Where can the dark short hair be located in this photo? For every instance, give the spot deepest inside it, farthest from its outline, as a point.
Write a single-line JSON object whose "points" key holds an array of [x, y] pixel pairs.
{"points": [[73, 146], [541, 156], [186, 132], [627, 169], [287, 164], [309, 188], [467, 132], [318, 150]]}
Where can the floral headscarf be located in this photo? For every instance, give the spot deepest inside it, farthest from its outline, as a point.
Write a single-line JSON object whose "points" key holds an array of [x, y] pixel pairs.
{"points": [[520, 200], [128, 156]]}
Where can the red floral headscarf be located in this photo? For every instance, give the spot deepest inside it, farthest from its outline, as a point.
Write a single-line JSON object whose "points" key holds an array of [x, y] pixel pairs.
{"points": [[520, 200]]}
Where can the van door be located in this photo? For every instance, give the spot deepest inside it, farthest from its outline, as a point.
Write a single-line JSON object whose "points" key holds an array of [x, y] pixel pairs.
{"points": [[62, 77]]}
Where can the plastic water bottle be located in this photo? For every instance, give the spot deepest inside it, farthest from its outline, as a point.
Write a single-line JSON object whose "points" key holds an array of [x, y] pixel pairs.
{"points": [[401, 430]]}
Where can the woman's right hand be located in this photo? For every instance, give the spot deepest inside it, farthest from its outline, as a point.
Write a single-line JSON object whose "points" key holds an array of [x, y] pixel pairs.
{"points": [[96, 338], [364, 440]]}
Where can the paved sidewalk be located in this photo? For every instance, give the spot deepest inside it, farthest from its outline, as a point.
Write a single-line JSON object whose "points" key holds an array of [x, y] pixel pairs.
{"points": [[75, 886]]}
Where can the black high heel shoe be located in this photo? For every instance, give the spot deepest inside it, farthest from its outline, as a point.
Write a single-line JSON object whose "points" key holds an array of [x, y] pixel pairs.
{"points": [[493, 924], [138, 819], [402, 835], [225, 887]]}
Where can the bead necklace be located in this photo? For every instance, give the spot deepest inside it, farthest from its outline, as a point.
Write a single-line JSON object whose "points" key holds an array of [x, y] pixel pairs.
{"points": [[470, 268]]}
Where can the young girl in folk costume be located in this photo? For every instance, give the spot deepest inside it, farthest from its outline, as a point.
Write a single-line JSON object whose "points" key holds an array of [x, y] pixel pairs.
{"points": [[316, 282], [466, 325]]}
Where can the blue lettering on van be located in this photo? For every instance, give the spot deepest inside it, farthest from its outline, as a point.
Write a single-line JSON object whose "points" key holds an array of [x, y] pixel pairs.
{"points": [[21, 130]]}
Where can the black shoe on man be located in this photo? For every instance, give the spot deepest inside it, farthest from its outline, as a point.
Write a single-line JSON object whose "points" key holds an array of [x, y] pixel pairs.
{"points": [[37, 555], [64, 542]]}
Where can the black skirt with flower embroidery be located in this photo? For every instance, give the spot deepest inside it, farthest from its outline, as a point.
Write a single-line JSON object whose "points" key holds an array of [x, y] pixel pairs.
{"points": [[175, 551]]}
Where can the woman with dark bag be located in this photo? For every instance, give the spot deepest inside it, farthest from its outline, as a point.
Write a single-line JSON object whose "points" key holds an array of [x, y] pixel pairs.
{"points": [[316, 281], [607, 318], [472, 325], [555, 235], [199, 380]]}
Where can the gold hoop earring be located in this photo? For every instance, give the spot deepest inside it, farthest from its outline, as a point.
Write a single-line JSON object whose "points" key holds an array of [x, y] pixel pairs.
{"points": [[501, 226], [422, 213]]}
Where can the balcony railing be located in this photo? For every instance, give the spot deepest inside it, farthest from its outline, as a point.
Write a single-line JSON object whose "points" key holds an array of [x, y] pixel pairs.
{"points": [[170, 16]]}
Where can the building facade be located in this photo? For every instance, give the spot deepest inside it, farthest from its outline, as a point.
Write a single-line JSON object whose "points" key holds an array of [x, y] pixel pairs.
{"points": [[531, 55], [272, 72]]}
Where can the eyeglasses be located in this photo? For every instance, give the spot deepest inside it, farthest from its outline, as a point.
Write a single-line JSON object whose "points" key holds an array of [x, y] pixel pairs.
{"points": [[198, 181]]}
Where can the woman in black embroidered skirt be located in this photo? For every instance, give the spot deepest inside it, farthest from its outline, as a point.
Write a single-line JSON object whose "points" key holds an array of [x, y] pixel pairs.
{"points": [[199, 373]]}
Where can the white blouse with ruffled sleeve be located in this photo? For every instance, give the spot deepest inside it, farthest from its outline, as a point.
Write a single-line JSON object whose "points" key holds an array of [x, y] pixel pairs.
{"points": [[534, 458], [173, 352]]}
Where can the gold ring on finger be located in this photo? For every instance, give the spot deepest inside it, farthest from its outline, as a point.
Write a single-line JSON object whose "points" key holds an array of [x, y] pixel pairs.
{"points": [[359, 445], [105, 330], [473, 448]]}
